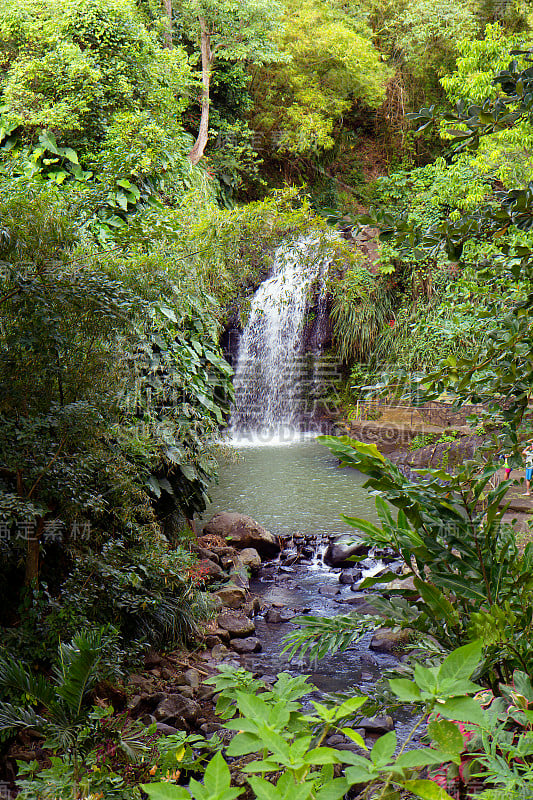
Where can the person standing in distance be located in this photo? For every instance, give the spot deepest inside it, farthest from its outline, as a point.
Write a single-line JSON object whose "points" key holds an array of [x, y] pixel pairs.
{"points": [[527, 452]]}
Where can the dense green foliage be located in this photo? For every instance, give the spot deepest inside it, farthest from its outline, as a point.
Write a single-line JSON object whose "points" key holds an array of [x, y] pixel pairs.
{"points": [[122, 259]]}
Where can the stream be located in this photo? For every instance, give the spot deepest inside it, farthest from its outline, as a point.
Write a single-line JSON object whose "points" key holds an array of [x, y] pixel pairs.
{"points": [[295, 489]]}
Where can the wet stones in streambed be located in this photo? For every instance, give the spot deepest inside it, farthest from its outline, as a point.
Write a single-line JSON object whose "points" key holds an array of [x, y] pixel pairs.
{"points": [[329, 590], [232, 597], [350, 576], [251, 559], [380, 724], [360, 604], [340, 742], [389, 641], [340, 550], [268, 572], [275, 616], [250, 644]]}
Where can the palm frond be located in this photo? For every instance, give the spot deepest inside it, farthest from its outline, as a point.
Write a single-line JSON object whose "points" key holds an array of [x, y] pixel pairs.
{"points": [[78, 670], [17, 718], [14, 675]]}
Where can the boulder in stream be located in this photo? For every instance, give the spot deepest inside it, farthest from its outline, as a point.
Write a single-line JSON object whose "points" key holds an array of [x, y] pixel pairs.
{"points": [[236, 623], [328, 590], [243, 532], [349, 576], [276, 616], [250, 644], [339, 551], [387, 641], [380, 724]]}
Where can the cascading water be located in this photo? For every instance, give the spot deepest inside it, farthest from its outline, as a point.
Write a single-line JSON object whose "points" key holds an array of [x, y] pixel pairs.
{"points": [[273, 375]]}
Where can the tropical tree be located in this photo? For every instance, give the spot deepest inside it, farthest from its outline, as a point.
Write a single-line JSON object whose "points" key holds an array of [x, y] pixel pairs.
{"points": [[234, 31]]}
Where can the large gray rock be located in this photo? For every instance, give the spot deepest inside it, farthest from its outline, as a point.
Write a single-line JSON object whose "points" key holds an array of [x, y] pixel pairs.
{"points": [[243, 532], [349, 576], [380, 724], [176, 707], [232, 596], [387, 641], [276, 616], [236, 623], [328, 591], [165, 730], [249, 645], [340, 550]]}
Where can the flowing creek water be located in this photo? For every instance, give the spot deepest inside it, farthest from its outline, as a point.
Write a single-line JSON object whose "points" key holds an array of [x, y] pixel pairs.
{"points": [[297, 490]]}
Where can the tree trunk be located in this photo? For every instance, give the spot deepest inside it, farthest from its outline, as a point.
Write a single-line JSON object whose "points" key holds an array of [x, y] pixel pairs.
{"points": [[168, 33], [32, 557], [207, 60]]}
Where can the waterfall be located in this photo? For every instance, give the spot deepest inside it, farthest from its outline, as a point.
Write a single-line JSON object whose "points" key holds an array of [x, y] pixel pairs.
{"points": [[274, 370]]}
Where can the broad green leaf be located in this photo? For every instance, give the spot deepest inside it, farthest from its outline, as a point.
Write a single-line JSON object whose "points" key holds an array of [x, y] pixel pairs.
{"points": [[289, 788], [169, 313], [462, 709], [446, 736], [425, 679], [48, 140], [355, 737], [361, 774], [383, 750], [70, 154], [386, 577], [348, 707], [286, 789], [323, 755], [333, 790], [165, 791], [122, 200], [263, 790], [153, 483], [461, 663], [405, 690], [266, 765], [426, 790], [522, 684], [243, 744], [217, 776]]}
